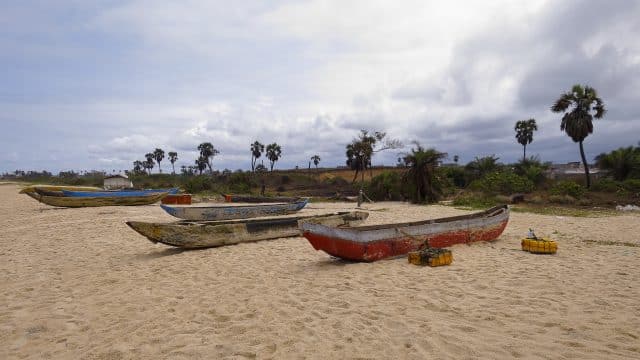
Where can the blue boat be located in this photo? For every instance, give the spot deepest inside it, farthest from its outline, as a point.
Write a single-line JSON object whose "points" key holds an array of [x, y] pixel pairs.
{"points": [[117, 193]]}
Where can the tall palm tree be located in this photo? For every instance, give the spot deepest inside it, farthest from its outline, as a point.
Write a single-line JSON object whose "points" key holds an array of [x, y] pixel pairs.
{"points": [[524, 133], [420, 174], [316, 160], [256, 151], [158, 154], [274, 152], [580, 106], [150, 162], [173, 156], [207, 152]]}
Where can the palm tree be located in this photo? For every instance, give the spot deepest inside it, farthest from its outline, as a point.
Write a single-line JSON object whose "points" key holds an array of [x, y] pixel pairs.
{"points": [[158, 154], [422, 164], [207, 151], [316, 160], [150, 162], [138, 167], [524, 133], [580, 106], [173, 156], [256, 151], [273, 153], [620, 163]]}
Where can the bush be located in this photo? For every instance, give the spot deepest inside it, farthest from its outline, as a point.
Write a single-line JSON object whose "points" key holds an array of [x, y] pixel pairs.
{"points": [[532, 169], [567, 187], [475, 201], [503, 182], [197, 184], [386, 186], [455, 174], [606, 185], [562, 199], [632, 185]]}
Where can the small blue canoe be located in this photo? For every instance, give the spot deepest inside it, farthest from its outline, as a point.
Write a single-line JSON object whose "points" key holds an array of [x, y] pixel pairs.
{"points": [[117, 193]]}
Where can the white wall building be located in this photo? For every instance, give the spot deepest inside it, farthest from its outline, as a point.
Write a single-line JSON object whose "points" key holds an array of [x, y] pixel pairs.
{"points": [[117, 182]]}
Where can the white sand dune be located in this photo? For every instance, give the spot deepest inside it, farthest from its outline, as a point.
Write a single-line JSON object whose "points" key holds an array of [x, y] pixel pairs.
{"points": [[78, 283]]}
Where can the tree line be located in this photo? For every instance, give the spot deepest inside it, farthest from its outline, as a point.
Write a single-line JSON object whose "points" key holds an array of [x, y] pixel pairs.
{"points": [[273, 152]]}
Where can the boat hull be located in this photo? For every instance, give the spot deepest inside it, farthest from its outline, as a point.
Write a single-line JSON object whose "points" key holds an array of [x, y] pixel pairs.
{"points": [[34, 188], [116, 193], [258, 199], [385, 241], [229, 212], [74, 202], [195, 235]]}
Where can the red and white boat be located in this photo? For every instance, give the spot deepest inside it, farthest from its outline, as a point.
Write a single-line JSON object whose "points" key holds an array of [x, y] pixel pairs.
{"points": [[375, 242]]}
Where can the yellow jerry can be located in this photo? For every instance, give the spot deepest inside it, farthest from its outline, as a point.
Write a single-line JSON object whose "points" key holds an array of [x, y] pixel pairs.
{"points": [[539, 246], [431, 257]]}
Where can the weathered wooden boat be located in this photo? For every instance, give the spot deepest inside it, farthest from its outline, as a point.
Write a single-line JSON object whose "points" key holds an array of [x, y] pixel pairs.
{"points": [[66, 201], [110, 193], [232, 211], [258, 199], [194, 235], [34, 188], [375, 242]]}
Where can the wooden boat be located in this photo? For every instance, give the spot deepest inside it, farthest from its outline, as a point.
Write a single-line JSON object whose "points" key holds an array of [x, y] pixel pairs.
{"points": [[193, 235], [34, 188], [65, 201], [371, 243], [258, 199], [232, 211], [111, 193]]}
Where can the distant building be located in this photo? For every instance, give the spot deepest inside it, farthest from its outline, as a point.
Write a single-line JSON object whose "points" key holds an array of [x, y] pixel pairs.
{"points": [[117, 182], [571, 170]]}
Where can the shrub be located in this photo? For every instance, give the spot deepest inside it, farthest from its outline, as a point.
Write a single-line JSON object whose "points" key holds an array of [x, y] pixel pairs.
{"points": [[632, 185], [606, 185], [567, 187], [455, 174], [197, 184], [562, 199], [386, 186], [503, 182], [476, 201]]}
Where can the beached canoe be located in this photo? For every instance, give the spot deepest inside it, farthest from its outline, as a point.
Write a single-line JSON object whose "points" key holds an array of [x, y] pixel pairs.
{"points": [[34, 188], [232, 211], [375, 242], [258, 199], [194, 235], [65, 201], [111, 193]]}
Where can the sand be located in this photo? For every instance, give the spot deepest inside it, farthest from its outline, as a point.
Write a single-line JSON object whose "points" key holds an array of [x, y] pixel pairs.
{"points": [[79, 284]]}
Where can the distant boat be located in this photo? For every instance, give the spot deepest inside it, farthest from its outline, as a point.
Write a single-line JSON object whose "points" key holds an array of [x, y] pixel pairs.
{"points": [[34, 188], [375, 242], [258, 199], [232, 211], [68, 201], [194, 235], [111, 193]]}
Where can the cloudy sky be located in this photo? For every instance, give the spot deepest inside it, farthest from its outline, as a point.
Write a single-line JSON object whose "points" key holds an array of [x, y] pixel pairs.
{"points": [[97, 84]]}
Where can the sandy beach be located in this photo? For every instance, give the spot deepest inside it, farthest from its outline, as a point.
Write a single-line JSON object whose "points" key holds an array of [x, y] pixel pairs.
{"points": [[79, 284]]}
